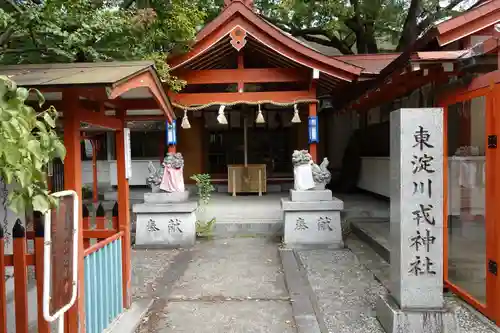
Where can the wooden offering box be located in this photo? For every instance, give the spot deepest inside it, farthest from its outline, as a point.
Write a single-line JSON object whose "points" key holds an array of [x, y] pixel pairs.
{"points": [[246, 179]]}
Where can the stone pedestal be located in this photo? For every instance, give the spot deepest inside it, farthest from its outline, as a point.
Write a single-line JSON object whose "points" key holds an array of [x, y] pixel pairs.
{"points": [[415, 303], [167, 225], [312, 219], [395, 320], [165, 197]]}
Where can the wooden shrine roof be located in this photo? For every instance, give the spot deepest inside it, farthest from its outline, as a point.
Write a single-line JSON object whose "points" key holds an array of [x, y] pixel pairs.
{"points": [[217, 36], [111, 79], [71, 74]]}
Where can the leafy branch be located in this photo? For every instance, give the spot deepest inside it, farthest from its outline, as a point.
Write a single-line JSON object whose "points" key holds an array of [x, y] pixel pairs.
{"points": [[28, 142]]}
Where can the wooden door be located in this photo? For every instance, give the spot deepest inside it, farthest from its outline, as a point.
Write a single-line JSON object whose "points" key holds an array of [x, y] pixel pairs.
{"points": [[471, 206]]}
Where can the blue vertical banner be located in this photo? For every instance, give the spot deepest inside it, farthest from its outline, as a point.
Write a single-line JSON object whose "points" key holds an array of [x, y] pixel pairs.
{"points": [[171, 133], [313, 129]]}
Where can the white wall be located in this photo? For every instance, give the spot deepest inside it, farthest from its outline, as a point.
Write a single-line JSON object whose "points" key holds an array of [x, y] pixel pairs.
{"points": [[466, 178], [374, 175], [7, 217], [107, 172], [140, 172], [103, 175]]}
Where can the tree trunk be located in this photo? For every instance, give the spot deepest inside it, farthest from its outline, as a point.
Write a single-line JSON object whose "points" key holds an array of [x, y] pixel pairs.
{"points": [[371, 42], [410, 27]]}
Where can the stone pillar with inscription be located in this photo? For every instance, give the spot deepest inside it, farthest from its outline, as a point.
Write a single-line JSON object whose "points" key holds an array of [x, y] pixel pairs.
{"points": [[415, 303]]}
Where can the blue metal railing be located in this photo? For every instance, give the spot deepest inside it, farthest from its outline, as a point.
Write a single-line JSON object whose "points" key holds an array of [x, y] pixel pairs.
{"points": [[103, 283]]}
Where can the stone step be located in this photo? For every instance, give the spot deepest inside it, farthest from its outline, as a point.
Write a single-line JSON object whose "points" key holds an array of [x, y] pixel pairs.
{"points": [[366, 229], [248, 228], [271, 188]]}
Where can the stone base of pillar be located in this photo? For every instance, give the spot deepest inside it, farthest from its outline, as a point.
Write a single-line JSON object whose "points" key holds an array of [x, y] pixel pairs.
{"points": [[169, 225], [396, 320], [312, 219]]}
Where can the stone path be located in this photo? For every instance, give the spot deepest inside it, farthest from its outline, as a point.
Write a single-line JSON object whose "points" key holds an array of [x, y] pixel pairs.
{"points": [[346, 292], [226, 285], [238, 285]]}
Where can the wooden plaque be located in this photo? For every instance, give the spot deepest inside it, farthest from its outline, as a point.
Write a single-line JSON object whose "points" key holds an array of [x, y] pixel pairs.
{"points": [[61, 233]]}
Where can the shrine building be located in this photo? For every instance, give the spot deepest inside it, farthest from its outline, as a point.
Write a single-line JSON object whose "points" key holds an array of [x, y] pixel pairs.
{"points": [[253, 95]]}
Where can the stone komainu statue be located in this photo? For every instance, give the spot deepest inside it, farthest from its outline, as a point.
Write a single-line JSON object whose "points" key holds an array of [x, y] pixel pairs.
{"points": [[321, 175], [309, 175], [168, 177]]}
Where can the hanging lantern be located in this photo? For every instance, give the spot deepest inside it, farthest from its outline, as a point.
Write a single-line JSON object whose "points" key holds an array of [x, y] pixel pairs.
{"points": [[260, 118], [221, 118], [313, 129], [185, 121], [296, 117], [171, 133]]}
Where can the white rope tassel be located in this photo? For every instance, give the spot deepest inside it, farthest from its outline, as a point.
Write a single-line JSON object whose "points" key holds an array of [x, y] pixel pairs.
{"points": [[260, 118], [221, 118], [296, 117], [185, 121]]}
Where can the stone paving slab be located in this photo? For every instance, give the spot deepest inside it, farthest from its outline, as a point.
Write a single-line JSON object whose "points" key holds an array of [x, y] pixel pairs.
{"points": [[224, 317], [239, 267], [223, 285], [345, 290], [147, 267]]}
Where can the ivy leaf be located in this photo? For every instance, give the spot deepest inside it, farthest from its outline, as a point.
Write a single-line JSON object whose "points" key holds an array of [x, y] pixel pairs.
{"points": [[41, 203], [39, 95], [21, 178], [22, 94], [8, 174], [16, 202], [60, 150], [34, 148], [41, 126], [12, 155], [49, 120]]}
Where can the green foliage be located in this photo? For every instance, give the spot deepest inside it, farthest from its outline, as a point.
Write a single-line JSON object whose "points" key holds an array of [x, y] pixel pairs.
{"points": [[204, 187], [93, 30], [355, 26], [205, 229], [28, 142], [204, 191]]}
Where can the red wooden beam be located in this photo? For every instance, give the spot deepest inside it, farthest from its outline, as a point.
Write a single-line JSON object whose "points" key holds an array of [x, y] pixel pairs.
{"points": [[184, 99], [225, 98], [150, 81], [254, 75], [412, 81], [146, 118], [97, 118]]}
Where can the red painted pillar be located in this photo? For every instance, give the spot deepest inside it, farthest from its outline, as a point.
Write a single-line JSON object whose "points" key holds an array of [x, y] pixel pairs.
{"points": [[313, 147], [73, 181], [123, 211], [94, 170]]}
